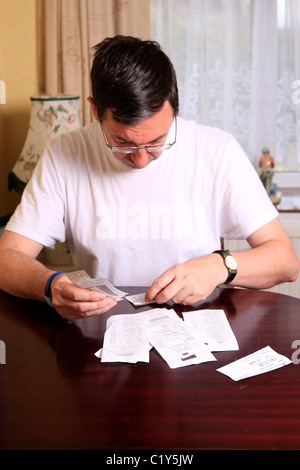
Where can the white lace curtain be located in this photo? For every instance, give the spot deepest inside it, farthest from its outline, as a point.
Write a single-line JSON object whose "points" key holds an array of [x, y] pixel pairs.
{"points": [[66, 32], [237, 62]]}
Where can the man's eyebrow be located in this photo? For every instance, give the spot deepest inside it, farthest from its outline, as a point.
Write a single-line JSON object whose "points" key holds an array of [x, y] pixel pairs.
{"points": [[124, 141]]}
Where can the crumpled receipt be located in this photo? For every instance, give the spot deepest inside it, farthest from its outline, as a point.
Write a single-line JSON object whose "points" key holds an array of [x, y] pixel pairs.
{"points": [[125, 340]]}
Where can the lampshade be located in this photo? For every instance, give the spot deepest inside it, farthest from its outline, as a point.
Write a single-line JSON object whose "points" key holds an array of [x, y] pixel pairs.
{"points": [[51, 115]]}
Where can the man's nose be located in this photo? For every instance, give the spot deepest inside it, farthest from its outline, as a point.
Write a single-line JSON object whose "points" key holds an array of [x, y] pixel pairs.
{"points": [[140, 158]]}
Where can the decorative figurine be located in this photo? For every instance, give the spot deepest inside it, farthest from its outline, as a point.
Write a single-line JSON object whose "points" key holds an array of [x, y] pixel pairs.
{"points": [[266, 162]]}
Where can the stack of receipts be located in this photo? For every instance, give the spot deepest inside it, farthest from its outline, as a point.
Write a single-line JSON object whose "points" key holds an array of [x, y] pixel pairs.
{"points": [[129, 338]]}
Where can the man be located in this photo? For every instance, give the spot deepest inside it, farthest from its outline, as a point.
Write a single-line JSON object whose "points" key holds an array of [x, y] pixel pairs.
{"points": [[142, 197]]}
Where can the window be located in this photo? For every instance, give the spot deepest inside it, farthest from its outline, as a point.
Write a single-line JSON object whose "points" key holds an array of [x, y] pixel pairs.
{"points": [[238, 68]]}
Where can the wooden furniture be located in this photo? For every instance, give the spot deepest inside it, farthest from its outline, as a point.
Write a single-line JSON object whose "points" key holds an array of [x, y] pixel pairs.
{"points": [[55, 394]]}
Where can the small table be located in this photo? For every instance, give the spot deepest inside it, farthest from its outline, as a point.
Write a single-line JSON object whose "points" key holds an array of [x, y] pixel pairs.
{"points": [[55, 394]]}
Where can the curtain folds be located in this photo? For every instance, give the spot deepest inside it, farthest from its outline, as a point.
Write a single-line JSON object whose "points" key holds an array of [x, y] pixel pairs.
{"points": [[66, 32], [236, 63]]}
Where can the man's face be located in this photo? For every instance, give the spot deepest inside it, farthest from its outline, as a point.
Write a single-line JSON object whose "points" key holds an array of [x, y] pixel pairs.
{"points": [[151, 132]]}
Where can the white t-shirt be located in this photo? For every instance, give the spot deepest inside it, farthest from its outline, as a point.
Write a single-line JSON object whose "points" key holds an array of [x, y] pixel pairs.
{"points": [[130, 225]]}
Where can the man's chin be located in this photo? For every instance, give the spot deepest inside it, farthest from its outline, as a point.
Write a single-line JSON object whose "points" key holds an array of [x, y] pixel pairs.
{"points": [[134, 166]]}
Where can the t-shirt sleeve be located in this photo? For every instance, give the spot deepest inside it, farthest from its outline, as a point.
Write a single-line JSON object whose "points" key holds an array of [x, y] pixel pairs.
{"points": [[40, 214], [245, 205]]}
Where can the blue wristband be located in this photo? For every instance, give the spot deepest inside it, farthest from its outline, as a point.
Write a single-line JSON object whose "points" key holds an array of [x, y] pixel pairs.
{"points": [[47, 287]]}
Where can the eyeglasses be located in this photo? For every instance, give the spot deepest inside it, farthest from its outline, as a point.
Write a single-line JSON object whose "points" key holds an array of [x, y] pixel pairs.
{"points": [[149, 148]]}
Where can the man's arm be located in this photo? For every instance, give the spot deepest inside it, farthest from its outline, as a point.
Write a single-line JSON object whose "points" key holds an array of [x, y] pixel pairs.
{"points": [[23, 276], [270, 261]]}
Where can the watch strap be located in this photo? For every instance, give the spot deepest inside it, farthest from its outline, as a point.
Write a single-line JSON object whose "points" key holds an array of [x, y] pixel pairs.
{"points": [[231, 272]]}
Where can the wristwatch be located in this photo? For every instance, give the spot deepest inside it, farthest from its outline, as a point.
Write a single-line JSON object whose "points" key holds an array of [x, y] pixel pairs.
{"points": [[230, 264]]}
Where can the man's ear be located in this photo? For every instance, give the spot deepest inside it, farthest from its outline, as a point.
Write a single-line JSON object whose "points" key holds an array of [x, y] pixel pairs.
{"points": [[91, 101]]}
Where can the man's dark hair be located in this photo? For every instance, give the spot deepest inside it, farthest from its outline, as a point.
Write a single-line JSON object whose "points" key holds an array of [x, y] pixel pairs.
{"points": [[133, 78]]}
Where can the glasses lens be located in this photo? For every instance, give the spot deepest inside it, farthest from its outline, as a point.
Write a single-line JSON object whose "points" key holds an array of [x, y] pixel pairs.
{"points": [[159, 148], [123, 150], [154, 149]]}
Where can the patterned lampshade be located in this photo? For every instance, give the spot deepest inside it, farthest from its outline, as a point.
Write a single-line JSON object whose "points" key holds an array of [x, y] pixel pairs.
{"points": [[51, 115]]}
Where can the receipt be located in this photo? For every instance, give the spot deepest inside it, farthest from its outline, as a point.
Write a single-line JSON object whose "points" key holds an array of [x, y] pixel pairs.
{"points": [[125, 340], [259, 362], [77, 276], [178, 345], [139, 299], [213, 326], [102, 285]]}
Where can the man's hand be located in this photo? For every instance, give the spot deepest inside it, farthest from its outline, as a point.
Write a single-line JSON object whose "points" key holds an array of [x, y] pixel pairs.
{"points": [[189, 282], [73, 302], [270, 260]]}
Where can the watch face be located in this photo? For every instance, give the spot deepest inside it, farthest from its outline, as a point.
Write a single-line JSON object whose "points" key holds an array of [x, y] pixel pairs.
{"points": [[231, 262]]}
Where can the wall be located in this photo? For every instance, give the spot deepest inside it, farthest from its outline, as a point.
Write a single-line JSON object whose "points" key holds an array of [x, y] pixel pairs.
{"points": [[19, 72]]}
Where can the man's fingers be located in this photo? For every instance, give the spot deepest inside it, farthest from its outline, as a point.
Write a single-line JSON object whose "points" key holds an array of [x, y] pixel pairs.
{"points": [[97, 308], [73, 292], [76, 310], [74, 302], [157, 291], [185, 283]]}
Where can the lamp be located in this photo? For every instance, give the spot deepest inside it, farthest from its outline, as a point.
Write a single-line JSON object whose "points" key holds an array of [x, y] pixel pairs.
{"points": [[51, 115]]}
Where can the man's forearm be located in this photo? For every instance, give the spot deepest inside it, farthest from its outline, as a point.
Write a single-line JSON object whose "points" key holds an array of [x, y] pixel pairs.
{"points": [[22, 275], [259, 268]]}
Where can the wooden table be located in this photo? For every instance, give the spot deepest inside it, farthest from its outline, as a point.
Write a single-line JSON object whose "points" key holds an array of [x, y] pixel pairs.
{"points": [[55, 394]]}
